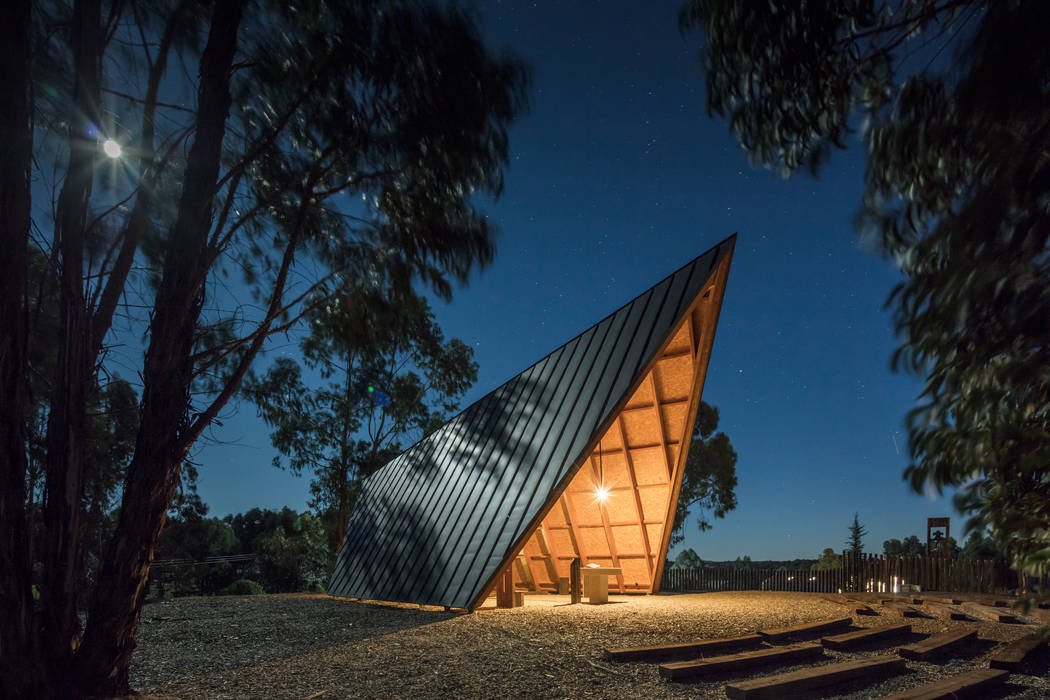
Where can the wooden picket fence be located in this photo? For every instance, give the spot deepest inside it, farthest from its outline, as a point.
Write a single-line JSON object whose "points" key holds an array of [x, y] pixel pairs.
{"points": [[865, 573]]}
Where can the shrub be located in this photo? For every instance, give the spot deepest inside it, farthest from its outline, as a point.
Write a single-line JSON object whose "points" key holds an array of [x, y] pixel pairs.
{"points": [[242, 586]]}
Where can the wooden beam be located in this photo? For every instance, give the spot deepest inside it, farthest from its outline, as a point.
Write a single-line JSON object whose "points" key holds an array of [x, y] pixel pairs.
{"points": [[649, 407], [1012, 656], [939, 644], [711, 303], [604, 512], [972, 684], [573, 535], [852, 640], [781, 633], [784, 656], [651, 378], [638, 507], [694, 649], [782, 684], [546, 544]]}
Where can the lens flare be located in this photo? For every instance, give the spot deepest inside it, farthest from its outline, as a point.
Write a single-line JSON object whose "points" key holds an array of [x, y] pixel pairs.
{"points": [[601, 493], [111, 148]]}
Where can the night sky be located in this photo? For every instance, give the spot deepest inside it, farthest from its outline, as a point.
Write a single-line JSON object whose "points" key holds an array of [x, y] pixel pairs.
{"points": [[618, 177]]}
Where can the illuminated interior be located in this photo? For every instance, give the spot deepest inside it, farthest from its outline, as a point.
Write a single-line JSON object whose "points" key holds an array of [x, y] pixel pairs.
{"points": [[616, 511]]}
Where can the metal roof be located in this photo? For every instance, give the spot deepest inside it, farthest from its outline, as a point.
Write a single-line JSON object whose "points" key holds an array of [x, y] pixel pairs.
{"points": [[436, 524]]}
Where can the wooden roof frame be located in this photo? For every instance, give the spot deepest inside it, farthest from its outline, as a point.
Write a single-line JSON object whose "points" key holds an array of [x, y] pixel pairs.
{"points": [[708, 305]]}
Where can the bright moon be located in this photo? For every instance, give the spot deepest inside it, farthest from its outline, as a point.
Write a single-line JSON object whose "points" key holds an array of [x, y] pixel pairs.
{"points": [[112, 148]]}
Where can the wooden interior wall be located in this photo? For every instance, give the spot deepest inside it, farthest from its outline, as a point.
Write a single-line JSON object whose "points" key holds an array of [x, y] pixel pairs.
{"points": [[637, 459]]}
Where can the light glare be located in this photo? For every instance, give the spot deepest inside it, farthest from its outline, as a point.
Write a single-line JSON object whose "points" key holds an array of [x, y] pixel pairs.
{"points": [[111, 148], [601, 494]]}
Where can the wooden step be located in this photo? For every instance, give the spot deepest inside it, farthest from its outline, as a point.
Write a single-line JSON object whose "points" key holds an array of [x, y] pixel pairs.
{"points": [[874, 668], [850, 640], [775, 635], [988, 612], [938, 644], [859, 607], [945, 611], [682, 670], [1011, 657], [965, 685], [682, 650], [905, 609]]}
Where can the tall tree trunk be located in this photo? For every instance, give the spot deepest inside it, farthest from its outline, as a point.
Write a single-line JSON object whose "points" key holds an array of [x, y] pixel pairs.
{"points": [[16, 146], [105, 655], [64, 463]]}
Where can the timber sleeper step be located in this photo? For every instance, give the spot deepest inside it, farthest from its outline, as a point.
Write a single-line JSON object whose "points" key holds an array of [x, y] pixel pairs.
{"points": [[973, 684], [807, 679], [684, 649], [1012, 656], [851, 640], [938, 644], [990, 612], [782, 633], [683, 670]]}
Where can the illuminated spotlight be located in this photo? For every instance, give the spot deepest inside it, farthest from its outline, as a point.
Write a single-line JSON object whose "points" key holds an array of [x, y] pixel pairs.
{"points": [[601, 494], [111, 148]]}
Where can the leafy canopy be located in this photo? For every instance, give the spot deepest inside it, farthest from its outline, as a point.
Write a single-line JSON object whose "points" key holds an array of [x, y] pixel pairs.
{"points": [[709, 482], [951, 100]]}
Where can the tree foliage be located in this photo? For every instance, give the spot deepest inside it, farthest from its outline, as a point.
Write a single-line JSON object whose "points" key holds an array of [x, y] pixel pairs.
{"points": [[273, 152], [688, 559], [855, 541], [388, 375], [910, 546], [828, 560], [951, 101], [709, 482]]}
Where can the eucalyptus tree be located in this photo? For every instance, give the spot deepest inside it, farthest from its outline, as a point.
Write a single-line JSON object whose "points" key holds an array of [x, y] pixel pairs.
{"points": [[214, 165], [386, 374], [709, 481], [952, 101]]}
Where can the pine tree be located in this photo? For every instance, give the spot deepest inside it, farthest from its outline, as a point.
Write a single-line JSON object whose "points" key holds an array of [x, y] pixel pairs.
{"points": [[855, 542]]}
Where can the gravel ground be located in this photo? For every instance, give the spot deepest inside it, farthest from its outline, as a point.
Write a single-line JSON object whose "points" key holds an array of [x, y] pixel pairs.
{"points": [[312, 646]]}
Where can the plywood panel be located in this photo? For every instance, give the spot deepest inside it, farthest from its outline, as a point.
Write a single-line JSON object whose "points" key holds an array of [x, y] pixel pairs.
{"points": [[613, 470], [680, 342], [642, 427], [655, 534], [555, 518], [562, 542], [611, 440], [674, 417], [654, 501], [621, 507], [532, 547], [584, 509], [643, 396], [628, 539], [635, 571], [674, 378], [649, 466], [594, 542]]}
